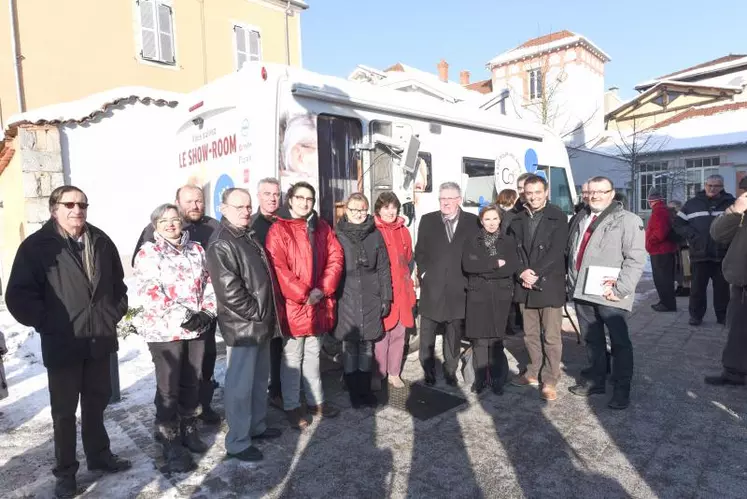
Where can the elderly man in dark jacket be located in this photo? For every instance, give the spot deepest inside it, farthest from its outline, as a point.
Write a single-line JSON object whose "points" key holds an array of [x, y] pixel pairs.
{"points": [[244, 286], [67, 283], [541, 233], [730, 228], [693, 222], [443, 299]]}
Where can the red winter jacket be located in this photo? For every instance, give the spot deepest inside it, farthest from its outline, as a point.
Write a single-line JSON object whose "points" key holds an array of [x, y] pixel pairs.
{"points": [[288, 248], [658, 231], [399, 247]]}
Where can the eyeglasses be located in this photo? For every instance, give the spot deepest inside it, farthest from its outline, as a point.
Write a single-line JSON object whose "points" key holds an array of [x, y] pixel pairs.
{"points": [[355, 211], [169, 221], [71, 205], [246, 207], [303, 199], [599, 193]]}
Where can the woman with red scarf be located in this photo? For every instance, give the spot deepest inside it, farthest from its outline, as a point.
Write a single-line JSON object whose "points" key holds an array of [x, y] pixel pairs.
{"points": [[388, 351]]}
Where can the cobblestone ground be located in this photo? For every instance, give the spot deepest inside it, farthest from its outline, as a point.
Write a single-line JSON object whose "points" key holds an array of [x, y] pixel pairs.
{"points": [[680, 438]]}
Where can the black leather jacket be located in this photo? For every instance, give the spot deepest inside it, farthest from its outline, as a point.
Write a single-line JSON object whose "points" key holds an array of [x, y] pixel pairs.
{"points": [[244, 286]]}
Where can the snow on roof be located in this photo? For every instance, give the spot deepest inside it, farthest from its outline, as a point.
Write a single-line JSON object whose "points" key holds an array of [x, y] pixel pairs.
{"points": [[88, 108], [545, 44], [722, 63]]}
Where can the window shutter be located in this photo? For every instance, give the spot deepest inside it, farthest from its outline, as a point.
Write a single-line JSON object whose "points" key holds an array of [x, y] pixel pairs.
{"points": [[241, 52], [166, 33], [255, 49], [148, 30]]}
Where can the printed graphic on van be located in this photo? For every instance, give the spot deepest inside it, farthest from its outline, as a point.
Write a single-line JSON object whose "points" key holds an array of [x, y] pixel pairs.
{"points": [[298, 154]]}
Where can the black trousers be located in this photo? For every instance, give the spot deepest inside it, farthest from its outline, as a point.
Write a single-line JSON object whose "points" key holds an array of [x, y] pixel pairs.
{"points": [[451, 347], [89, 380], [489, 359], [662, 267], [276, 355], [703, 272], [734, 357], [207, 386], [178, 376]]}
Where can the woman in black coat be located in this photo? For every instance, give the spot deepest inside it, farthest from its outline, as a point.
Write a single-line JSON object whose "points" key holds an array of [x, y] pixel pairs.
{"points": [[364, 297], [489, 260]]}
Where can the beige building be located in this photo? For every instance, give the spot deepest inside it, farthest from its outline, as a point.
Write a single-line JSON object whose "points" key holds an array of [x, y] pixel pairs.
{"points": [[66, 50]]}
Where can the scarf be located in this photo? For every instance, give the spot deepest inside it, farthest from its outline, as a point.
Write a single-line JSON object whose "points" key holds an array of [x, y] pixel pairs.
{"points": [[490, 241], [82, 248], [356, 233]]}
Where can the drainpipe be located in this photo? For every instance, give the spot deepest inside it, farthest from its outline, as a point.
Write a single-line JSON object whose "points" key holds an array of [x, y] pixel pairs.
{"points": [[13, 18], [288, 13]]}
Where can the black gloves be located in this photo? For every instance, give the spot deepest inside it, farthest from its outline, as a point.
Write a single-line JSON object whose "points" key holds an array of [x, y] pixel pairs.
{"points": [[199, 321], [386, 307]]}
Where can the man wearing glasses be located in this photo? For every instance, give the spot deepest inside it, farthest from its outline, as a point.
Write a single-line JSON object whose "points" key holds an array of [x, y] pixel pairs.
{"points": [[693, 222], [191, 202], [438, 254], [67, 283]]}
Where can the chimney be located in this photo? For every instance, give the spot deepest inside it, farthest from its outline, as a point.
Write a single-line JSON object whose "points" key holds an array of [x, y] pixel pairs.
{"points": [[443, 71], [613, 90], [464, 78]]}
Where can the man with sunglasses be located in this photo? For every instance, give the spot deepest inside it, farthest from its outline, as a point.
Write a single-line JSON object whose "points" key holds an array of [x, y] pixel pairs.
{"points": [[693, 223], [67, 283], [191, 202]]}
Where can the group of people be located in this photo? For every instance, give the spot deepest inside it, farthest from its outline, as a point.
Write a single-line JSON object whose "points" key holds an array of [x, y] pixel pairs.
{"points": [[277, 280]]}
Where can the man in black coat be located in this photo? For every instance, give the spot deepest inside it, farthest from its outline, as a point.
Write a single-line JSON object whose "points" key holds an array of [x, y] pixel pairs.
{"points": [[244, 286], [438, 254], [191, 202], [269, 202], [541, 233], [693, 223], [67, 283]]}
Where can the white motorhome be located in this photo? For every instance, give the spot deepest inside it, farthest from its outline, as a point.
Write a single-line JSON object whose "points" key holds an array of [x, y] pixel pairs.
{"points": [[343, 137]]}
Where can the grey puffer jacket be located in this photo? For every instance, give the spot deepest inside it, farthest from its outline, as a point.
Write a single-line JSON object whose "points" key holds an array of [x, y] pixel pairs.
{"points": [[618, 240]]}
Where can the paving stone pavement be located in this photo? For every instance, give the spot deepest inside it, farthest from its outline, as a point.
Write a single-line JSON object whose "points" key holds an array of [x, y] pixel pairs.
{"points": [[679, 439]]}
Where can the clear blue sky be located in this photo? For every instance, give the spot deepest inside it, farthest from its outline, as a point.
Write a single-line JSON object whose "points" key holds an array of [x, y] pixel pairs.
{"points": [[644, 39]]}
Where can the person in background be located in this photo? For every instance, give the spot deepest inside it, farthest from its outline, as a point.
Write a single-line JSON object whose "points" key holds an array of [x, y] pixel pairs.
{"points": [[67, 282], [245, 287], [662, 249], [191, 203], [730, 228], [584, 202], [389, 350], [541, 235], [505, 202], [178, 302], [693, 223], [364, 297], [490, 261], [519, 204], [308, 261], [438, 254], [269, 203], [3, 379], [681, 256], [609, 236]]}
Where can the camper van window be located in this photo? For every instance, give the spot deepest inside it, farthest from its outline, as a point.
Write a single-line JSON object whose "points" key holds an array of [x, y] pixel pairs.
{"points": [[480, 187], [560, 190], [381, 127], [424, 173], [339, 163]]}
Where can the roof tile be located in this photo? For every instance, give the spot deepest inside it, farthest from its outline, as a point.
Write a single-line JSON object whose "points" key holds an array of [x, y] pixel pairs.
{"points": [[697, 112], [541, 40]]}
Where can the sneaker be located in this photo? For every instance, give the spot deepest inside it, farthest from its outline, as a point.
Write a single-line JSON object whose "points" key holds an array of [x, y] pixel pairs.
{"points": [[549, 393], [396, 381], [65, 487], [324, 410], [525, 380], [268, 434], [695, 321], [250, 454], [586, 389], [297, 419]]}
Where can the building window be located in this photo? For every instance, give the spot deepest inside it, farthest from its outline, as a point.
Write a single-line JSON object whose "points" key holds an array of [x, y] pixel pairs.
{"points": [[481, 182], [652, 175], [339, 166], [248, 46], [157, 31], [699, 169], [536, 84]]}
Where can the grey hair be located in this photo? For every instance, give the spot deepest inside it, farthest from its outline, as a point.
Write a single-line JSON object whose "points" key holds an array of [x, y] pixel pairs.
{"points": [[450, 186], [715, 176], [159, 212], [227, 194], [269, 180]]}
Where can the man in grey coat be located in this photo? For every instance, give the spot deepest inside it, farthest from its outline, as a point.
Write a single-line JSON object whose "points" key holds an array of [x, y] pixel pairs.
{"points": [[610, 237]]}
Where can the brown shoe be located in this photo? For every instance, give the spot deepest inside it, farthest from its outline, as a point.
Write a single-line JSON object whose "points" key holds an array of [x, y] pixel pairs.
{"points": [[323, 410], [524, 380], [297, 419], [549, 392]]}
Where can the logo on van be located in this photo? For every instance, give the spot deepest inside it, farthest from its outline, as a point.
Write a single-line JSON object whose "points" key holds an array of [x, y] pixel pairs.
{"points": [[245, 127], [224, 182], [507, 170]]}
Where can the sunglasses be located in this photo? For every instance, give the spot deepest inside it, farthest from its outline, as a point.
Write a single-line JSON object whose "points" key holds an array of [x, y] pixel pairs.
{"points": [[71, 205]]}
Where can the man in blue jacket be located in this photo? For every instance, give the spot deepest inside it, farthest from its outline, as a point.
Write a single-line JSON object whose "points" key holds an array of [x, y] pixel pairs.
{"points": [[693, 223]]}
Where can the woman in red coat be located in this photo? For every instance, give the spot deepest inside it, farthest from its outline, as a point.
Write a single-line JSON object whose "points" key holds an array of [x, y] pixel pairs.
{"points": [[388, 351], [662, 249], [308, 261]]}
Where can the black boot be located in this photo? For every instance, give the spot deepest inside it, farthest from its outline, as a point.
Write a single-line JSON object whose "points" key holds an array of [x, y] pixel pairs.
{"points": [[190, 437], [65, 487], [178, 458], [481, 381], [620, 398], [352, 386], [365, 393]]}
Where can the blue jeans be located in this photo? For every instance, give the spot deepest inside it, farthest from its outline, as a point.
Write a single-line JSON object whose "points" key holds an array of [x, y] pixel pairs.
{"points": [[592, 319]]}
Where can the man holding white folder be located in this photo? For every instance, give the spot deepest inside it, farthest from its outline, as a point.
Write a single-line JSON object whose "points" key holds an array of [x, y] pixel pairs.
{"points": [[606, 255]]}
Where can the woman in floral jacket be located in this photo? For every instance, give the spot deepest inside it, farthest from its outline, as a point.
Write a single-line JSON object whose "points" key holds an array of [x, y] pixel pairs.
{"points": [[178, 303]]}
